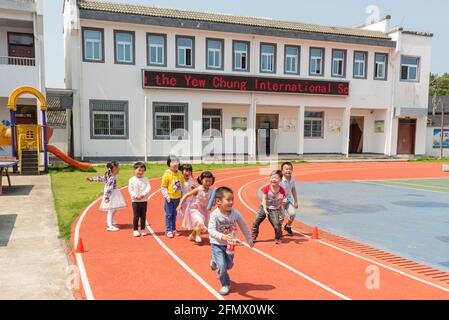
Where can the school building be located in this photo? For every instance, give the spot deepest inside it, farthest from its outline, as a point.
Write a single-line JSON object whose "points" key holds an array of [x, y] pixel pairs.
{"points": [[150, 81]]}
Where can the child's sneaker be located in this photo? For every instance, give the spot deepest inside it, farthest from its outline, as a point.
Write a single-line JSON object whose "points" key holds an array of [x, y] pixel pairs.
{"points": [[254, 237], [278, 241], [213, 265], [176, 233], [136, 234], [289, 230], [170, 235], [198, 239], [192, 237], [143, 233], [225, 290], [112, 229]]}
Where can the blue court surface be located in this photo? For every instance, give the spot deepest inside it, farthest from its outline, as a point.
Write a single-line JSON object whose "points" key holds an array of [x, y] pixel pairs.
{"points": [[409, 218]]}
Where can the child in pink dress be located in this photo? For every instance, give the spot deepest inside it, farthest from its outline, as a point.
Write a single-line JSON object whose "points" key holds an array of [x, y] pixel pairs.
{"points": [[189, 185], [196, 215]]}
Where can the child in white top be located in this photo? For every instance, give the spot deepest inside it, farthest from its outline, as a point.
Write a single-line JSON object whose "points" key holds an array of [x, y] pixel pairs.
{"points": [[222, 221], [139, 189], [291, 200], [189, 185]]}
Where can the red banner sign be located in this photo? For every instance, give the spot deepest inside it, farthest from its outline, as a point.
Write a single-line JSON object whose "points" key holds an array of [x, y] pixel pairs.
{"points": [[161, 79]]}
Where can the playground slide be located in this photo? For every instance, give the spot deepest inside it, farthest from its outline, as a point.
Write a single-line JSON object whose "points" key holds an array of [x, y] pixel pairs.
{"points": [[72, 162]]}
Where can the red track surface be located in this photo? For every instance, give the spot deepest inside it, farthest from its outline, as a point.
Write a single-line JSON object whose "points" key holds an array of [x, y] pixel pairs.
{"points": [[119, 266]]}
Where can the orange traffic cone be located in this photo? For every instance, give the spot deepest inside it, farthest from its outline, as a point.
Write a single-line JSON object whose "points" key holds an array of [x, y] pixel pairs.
{"points": [[80, 247], [315, 234]]}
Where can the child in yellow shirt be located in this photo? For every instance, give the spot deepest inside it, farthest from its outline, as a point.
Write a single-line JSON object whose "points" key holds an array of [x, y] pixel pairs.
{"points": [[171, 186]]}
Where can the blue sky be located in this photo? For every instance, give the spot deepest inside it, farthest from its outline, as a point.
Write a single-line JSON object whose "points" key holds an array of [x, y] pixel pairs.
{"points": [[417, 15]]}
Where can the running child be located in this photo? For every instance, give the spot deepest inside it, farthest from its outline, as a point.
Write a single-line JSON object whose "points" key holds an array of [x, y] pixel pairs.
{"points": [[189, 185], [139, 189], [222, 222], [271, 207], [196, 215], [112, 197], [171, 186], [291, 196]]}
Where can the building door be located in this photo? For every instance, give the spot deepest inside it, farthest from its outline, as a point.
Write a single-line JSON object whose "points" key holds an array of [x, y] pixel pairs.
{"points": [[406, 136], [356, 135], [266, 128]]}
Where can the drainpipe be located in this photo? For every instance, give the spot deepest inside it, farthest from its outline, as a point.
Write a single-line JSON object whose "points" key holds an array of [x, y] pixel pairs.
{"points": [[394, 53], [145, 125], [44, 128], [12, 116]]}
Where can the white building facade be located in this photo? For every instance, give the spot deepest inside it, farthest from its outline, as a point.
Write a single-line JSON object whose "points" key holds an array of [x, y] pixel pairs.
{"points": [[149, 82], [21, 59]]}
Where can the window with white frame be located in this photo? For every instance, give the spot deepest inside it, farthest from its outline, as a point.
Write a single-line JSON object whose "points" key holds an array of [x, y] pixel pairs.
{"points": [[93, 45], [212, 123], [184, 49], [109, 119], [241, 56], [316, 61], [291, 59], [380, 67], [214, 53], [360, 64], [156, 49], [170, 121], [338, 63], [409, 68], [268, 58], [124, 47], [313, 124]]}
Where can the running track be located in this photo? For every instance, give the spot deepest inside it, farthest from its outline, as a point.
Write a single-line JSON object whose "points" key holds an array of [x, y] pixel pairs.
{"points": [[118, 266]]}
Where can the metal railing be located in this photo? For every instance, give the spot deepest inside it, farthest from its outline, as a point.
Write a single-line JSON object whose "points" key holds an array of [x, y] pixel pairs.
{"points": [[17, 61]]}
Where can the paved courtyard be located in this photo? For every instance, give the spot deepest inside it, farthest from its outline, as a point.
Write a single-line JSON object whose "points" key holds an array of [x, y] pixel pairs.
{"points": [[33, 262]]}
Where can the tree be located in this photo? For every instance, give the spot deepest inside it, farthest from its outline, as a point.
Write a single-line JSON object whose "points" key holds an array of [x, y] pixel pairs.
{"points": [[439, 86]]}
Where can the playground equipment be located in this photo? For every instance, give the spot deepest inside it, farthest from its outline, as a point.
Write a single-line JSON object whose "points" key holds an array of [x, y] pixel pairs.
{"points": [[30, 140]]}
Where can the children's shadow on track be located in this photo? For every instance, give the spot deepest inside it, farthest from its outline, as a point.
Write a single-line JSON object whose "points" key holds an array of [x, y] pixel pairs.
{"points": [[285, 240], [243, 289]]}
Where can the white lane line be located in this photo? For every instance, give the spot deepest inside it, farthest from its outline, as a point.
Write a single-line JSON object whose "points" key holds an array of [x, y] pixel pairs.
{"points": [[351, 253], [79, 258], [180, 261], [303, 275]]}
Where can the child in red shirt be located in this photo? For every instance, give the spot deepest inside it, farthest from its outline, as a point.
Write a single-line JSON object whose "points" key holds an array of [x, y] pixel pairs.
{"points": [[271, 207]]}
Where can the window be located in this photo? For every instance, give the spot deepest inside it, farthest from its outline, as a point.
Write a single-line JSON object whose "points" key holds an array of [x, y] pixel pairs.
{"points": [[360, 64], [170, 121], [338, 63], [109, 119], [380, 67], [267, 58], [156, 51], [124, 47], [313, 124], [93, 45], [214, 53], [211, 123], [316, 61], [184, 52], [240, 56], [409, 68], [291, 59]]}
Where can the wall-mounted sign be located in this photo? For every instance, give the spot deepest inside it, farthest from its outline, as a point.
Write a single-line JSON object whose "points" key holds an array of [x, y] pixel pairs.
{"points": [[437, 138], [379, 126], [239, 123], [161, 79]]}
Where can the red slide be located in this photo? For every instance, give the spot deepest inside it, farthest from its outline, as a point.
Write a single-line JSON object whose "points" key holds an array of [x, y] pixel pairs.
{"points": [[72, 162]]}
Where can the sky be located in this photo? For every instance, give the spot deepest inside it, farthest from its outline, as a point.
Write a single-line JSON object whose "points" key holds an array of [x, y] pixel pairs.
{"points": [[416, 15]]}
